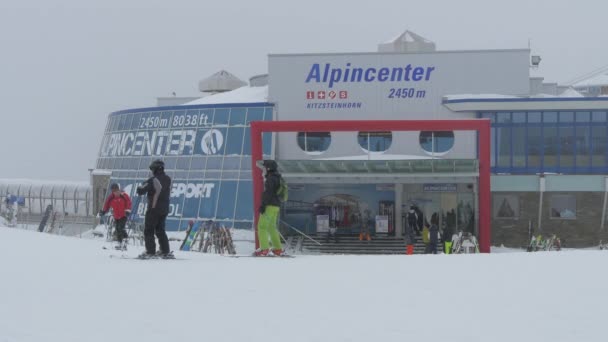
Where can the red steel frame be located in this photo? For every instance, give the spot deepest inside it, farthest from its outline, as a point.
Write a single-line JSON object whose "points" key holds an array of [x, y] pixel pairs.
{"points": [[482, 126]]}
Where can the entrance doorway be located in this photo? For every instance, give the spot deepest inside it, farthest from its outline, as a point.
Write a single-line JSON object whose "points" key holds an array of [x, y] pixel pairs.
{"points": [[456, 210]]}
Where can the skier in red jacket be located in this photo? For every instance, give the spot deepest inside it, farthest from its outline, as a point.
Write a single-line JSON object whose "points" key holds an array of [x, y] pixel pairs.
{"points": [[120, 203]]}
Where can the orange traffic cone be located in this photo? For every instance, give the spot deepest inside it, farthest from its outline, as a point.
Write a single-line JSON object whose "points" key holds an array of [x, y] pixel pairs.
{"points": [[410, 250]]}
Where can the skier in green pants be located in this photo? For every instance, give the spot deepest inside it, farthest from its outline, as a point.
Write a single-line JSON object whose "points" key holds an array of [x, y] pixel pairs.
{"points": [[274, 186]]}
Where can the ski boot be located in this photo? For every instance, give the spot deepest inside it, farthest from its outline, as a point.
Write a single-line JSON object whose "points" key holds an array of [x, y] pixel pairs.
{"points": [[121, 246], [168, 255], [260, 252], [278, 252], [146, 255]]}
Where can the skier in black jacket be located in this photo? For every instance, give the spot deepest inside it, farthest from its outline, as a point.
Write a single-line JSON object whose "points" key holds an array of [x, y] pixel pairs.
{"points": [[158, 189], [269, 211]]}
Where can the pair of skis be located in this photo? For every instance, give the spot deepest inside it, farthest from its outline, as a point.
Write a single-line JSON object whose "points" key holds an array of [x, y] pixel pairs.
{"points": [[192, 233], [124, 256]]}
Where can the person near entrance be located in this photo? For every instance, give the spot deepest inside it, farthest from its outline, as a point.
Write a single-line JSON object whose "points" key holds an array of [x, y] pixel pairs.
{"points": [[365, 224], [415, 218], [420, 218], [448, 231], [158, 189], [426, 238], [410, 231], [269, 210], [433, 234]]}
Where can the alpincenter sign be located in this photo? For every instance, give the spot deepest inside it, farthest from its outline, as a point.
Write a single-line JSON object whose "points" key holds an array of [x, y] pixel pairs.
{"points": [[393, 85], [334, 75], [163, 142]]}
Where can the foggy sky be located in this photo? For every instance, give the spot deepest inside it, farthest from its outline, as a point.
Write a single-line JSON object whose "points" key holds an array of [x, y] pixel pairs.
{"points": [[65, 65]]}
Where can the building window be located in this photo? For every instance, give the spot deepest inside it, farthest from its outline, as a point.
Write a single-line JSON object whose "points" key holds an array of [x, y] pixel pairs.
{"points": [[519, 145], [550, 147], [534, 147], [563, 206], [436, 142], [599, 141], [598, 116], [314, 142], [506, 206], [567, 146], [534, 117], [375, 141]]}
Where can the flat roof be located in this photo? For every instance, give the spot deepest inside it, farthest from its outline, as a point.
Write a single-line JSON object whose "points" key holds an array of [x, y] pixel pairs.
{"points": [[396, 53], [529, 103]]}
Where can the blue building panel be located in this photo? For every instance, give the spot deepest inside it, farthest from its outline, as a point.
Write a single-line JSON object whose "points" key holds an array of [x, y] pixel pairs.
{"points": [[206, 149]]}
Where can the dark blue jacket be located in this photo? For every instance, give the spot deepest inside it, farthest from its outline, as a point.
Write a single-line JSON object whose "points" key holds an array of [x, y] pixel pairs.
{"points": [[434, 233]]}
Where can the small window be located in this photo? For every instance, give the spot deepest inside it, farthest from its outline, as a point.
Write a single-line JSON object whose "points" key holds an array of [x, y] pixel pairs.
{"points": [[563, 207], [519, 117], [583, 117], [566, 117], [549, 116], [534, 117], [436, 142], [314, 142], [598, 116], [503, 117], [506, 206], [375, 141]]}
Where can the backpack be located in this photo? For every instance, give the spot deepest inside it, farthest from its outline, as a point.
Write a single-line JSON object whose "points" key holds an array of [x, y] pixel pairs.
{"points": [[282, 190]]}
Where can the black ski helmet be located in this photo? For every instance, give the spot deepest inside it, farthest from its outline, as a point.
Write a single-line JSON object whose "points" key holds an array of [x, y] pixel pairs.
{"points": [[114, 186], [270, 165], [157, 165]]}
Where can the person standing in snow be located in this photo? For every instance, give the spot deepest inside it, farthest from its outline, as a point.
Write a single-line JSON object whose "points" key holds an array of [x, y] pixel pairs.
{"points": [[269, 211], [158, 190], [120, 203]]}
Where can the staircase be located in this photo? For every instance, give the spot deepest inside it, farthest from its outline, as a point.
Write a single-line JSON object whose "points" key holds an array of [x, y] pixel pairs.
{"points": [[379, 245]]}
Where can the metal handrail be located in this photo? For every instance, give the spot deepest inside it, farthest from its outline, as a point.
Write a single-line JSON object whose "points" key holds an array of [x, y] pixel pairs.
{"points": [[301, 233]]}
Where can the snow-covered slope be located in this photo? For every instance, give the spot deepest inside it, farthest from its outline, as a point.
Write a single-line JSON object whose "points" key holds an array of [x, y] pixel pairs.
{"points": [[57, 288]]}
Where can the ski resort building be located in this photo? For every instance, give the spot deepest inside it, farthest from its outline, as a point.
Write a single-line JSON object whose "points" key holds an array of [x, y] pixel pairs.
{"points": [[547, 145]]}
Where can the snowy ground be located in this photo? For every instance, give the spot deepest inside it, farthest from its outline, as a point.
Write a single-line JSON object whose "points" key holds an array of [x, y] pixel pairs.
{"points": [[55, 288]]}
